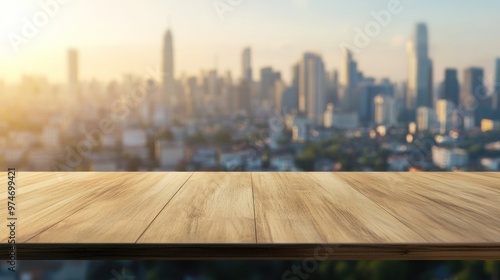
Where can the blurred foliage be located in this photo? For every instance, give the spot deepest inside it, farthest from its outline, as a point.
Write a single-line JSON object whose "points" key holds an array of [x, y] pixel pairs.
{"points": [[352, 154], [253, 270]]}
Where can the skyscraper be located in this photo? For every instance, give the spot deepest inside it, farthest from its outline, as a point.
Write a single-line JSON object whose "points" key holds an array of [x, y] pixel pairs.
{"points": [[312, 87], [496, 96], [473, 92], [268, 77], [444, 114], [451, 88], [426, 118], [290, 97], [246, 64], [385, 110], [279, 90], [332, 81], [73, 70], [419, 92], [348, 79], [472, 86], [244, 100], [168, 74]]}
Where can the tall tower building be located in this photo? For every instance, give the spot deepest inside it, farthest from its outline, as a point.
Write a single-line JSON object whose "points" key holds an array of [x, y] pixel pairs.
{"points": [[244, 99], [349, 77], [496, 96], [168, 74], [73, 71], [246, 64], [451, 88], [312, 87], [290, 98], [473, 91], [419, 92], [472, 86], [268, 78]]}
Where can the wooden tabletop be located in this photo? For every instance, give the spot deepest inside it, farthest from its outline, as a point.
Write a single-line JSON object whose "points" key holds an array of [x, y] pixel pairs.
{"points": [[100, 215]]}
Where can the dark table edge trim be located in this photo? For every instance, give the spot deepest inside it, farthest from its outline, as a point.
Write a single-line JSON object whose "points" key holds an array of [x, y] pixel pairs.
{"points": [[319, 252]]}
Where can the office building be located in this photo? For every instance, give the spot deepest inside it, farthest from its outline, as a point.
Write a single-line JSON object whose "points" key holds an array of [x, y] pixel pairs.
{"points": [[451, 87], [473, 92], [449, 159], [246, 64], [268, 78], [349, 77], [419, 93], [426, 119], [73, 71], [444, 113], [496, 96], [168, 75], [312, 87], [385, 110]]}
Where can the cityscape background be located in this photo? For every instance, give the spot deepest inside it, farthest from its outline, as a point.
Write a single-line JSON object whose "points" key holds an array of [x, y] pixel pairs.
{"points": [[316, 115], [219, 85]]}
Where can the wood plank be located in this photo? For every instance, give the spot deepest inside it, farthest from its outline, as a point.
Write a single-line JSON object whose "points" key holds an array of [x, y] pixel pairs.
{"points": [[256, 215], [119, 211], [438, 206], [320, 208], [210, 208], [44, 198]]}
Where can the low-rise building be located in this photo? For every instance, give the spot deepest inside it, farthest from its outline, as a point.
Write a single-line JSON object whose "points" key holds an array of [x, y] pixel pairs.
{"points": [[169, 154], [449, 159], [284, 162], [489, 125], [491, 164]]}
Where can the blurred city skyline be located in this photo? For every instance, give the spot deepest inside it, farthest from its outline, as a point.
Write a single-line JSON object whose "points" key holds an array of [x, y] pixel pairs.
{"points": [[278, 33], [287, 86]]}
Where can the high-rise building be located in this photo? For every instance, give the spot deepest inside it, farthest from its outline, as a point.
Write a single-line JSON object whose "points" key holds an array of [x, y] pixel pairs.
{"points": [[472, 86], [385, 110], [419, 70], [168, 74], [366, 92], [451, 88], [426, 119], [244, 97], [280, 89], [73, 70], [444, 114], [268, 77], [328, 116], [331, 87], [290, 97], [496, 96], [246, 64], [473, 92], [349, 77], [312, 87]]}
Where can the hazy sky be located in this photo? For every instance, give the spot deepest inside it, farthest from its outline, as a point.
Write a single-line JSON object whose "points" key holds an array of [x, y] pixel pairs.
{"points": [[115, 37]]}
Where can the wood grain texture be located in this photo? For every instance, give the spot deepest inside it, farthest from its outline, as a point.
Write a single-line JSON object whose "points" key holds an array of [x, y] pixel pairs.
{"points": [[440, 207], [248, 215], [118, 213], [320, 208], [44, 199], [210, 208]]}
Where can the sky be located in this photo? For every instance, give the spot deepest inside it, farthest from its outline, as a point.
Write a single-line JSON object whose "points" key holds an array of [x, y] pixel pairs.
{"points": [[117, 37]]}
